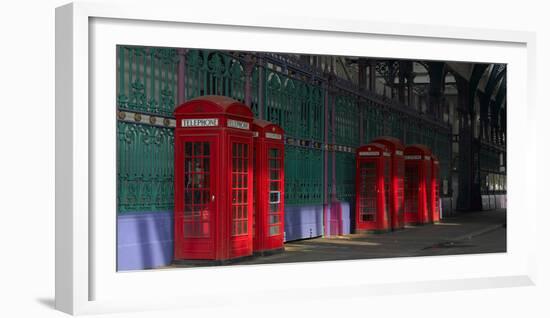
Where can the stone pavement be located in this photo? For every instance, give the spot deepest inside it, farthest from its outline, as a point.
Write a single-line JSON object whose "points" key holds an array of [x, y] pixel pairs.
{"points": [[472, 232]]}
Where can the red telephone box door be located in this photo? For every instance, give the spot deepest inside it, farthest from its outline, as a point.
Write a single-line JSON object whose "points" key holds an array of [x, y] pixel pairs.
{"points": [[199, 196], [275, 218], [428, 190], [240, 201], [368, 191], [412, 190]]}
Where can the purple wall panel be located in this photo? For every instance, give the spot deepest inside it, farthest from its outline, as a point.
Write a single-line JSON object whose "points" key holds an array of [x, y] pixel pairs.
{"points": [[144, 240], [346, 217], [303, 221]]}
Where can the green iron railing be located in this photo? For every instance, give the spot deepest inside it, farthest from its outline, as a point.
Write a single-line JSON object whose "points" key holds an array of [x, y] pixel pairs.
{"points": [[214, 73], [297, 107], [147, 82], [145, 167], [147, 79]]}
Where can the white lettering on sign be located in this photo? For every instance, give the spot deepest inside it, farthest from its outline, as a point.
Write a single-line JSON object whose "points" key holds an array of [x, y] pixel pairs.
{"points": [[413, 157], [399, 152], [273, 136], [237, 124], [368, 153], [255, 134], [199, 122], [426, 157], [386, 154]]}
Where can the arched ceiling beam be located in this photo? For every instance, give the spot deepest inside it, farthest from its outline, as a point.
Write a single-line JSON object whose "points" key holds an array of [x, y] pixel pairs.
{"points": [[501, 95], [477, 73], [499, 70]]}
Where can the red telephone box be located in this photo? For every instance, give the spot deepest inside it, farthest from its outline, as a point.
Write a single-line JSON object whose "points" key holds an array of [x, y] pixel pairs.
{"points": [[213, 180], [435, 189], [269, 183], [418, 168], [372, 187], [397, 171]]}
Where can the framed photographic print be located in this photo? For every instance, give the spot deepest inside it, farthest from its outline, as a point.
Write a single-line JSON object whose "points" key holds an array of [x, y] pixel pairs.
{"points": [[260, 156]]}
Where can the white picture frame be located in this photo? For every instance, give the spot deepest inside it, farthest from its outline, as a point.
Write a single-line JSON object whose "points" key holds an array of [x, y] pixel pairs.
{"points": [[86, 278]]}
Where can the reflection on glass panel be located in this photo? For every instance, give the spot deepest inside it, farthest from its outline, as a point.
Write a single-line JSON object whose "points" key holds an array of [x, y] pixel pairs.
{"points": [[188, 196], [188, 149], [197, 148], [273, 163], [274, 230], [206, 181], [234, 166], [274, 196], [187, 212], [273, 219]]}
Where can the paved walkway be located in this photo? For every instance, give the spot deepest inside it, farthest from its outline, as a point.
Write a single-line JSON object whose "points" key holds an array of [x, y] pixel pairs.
{"points": [[473, 232]]}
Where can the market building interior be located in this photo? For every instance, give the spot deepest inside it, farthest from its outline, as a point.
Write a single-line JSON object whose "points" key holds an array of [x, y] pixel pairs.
{"points": [[328, 107]]}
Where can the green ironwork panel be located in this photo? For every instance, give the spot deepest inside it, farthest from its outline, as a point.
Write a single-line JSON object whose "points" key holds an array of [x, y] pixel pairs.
{"points": [[213, 73], [303, 175], [145, 168], [345, 176], [396, 126], [276, 102], [373, 123], [295, 105], [147, 79], [316, 111], [255, 91], [346, 121]]}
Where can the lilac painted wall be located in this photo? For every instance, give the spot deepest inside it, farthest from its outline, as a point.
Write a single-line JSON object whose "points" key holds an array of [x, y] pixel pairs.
{"points": [[346, 217], [303, 221], [144, 240], [340, 215]]}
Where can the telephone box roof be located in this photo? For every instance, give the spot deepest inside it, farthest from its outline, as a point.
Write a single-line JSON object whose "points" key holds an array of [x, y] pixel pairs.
{"points": [[267, 126], [391, 142], [418, 148], [214, 104], [372, 146]]}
